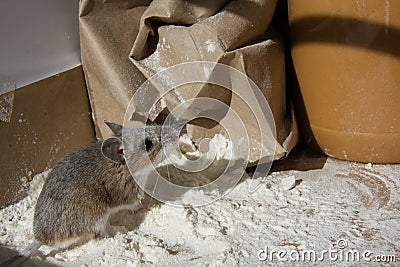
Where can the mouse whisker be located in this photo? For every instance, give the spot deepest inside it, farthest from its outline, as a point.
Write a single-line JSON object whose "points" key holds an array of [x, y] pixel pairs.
{"points": [[168, 174], [169, 178], [155, 186]]}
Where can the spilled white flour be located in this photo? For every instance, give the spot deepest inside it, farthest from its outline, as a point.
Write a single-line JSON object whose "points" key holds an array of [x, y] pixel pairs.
{"points": [[211, 46], [293, 211], [216, 148]]}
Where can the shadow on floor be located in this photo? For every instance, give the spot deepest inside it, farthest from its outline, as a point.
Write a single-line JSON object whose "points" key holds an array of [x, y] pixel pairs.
{"points": [[302, 158], [7, 253]]}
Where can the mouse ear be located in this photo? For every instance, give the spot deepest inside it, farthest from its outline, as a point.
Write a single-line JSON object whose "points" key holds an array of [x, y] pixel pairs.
{"points": [[111, 148], [115, 128]]}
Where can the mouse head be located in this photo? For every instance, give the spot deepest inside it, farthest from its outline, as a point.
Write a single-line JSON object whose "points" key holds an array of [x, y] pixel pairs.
{"points": [[142, 143]]}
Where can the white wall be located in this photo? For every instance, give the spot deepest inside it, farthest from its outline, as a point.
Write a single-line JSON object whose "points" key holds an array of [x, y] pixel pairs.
{"points": [[38, 38]]}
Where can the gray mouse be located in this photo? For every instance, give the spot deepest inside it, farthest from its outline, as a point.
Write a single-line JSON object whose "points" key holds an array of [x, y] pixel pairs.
{"points": [[85, 187]]}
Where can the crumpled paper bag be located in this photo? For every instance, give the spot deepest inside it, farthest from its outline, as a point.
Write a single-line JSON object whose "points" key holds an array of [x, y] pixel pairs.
{"points": [[125, 42]]}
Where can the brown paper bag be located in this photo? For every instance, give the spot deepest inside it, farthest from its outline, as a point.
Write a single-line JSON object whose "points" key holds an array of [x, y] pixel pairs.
{"points": [[125, 42]]}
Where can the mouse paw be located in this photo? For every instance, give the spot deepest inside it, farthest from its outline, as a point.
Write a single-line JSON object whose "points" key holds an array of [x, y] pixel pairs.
{"points": [[101, 234]]}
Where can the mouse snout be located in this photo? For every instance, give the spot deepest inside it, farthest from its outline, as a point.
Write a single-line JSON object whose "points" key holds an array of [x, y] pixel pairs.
{"points": [[169, 135]]}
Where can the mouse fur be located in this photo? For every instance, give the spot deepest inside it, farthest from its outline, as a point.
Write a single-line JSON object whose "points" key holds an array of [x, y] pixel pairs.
{"points": [[85, 187]]}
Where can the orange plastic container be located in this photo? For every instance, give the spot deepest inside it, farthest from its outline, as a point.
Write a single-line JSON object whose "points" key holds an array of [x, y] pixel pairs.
{"points": [[346, 56]]}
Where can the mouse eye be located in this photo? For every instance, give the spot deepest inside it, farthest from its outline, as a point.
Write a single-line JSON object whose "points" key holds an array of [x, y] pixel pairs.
{"points": [[148, 144]]}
